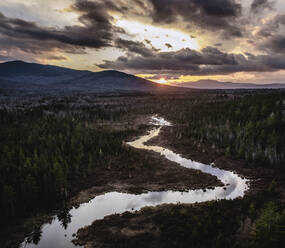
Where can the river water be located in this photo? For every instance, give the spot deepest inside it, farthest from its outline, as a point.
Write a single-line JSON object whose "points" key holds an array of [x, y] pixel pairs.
{"points": [[58, 235]]}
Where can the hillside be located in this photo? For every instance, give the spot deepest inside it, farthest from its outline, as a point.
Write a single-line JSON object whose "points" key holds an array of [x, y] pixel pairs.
{"points": [[29, 78]]}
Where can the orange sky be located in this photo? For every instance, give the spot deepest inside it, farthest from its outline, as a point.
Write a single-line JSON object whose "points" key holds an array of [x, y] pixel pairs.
{"points": [[225, 40]]}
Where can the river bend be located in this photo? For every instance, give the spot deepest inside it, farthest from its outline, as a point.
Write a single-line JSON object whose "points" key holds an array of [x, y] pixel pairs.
{"points": [[55, 235]]}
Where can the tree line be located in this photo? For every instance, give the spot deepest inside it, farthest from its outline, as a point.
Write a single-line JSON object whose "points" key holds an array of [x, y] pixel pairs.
{"points": [[250, 127], [43, 155]]}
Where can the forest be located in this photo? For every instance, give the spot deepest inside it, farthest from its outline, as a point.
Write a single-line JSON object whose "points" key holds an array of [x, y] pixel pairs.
{"points": [[251, 127], [49, 145], [42, 156]]}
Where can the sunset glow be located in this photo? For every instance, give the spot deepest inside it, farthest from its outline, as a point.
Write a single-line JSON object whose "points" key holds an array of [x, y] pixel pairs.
{"points": [[161, 81], [179, 40], [106, 104], [164, 39]]}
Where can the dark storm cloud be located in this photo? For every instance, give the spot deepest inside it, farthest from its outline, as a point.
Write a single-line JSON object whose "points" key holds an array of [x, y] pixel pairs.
{"points": [[272, 27], [276, 44], [134, 47], [32, 46], [216, 15], [95, 33], [219, 7], [223, 18], [97, 30], [258, 5], [210, 61], [185, 59], [170, 10], [272, 36]]}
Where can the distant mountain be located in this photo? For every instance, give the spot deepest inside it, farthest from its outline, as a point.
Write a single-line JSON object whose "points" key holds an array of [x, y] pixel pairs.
{"points": [[29, 78], [212, 84]]}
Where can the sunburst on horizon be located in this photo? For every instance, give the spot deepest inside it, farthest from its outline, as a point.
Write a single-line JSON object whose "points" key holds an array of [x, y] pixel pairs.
{"points": [[162, 80]]}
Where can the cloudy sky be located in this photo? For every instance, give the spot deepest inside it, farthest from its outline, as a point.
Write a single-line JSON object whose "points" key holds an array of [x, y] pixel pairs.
{"points": [[163, 40]]}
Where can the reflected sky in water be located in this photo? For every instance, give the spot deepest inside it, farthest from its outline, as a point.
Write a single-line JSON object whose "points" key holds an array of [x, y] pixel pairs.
{"points": [[59, 233]]}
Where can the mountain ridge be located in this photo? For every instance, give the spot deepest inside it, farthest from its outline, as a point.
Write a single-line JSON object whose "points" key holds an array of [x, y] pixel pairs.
{"points": [[214, 84], [32, 77]]}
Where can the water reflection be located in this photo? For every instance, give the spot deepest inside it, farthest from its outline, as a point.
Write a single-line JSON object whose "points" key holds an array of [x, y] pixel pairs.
{"points": [[35, 236], [64, 217], [59, 232]]}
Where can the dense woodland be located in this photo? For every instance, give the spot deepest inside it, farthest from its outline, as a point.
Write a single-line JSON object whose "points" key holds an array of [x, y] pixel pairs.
{"points": [[48, 145], [43, 155], [250, 127]]}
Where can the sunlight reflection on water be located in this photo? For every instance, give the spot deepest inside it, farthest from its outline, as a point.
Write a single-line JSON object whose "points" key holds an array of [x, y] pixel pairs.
{"points": [[55, 235]]}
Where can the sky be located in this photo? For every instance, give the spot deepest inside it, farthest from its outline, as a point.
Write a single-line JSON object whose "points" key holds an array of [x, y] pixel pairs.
{"points": [[167, 41]]}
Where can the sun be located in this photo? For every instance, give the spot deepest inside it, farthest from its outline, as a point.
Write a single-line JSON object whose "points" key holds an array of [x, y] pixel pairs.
{"points": [[161, 81]]}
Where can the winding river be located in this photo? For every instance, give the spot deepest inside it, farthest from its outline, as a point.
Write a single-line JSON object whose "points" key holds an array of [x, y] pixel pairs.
{"points": [[55, 234]]}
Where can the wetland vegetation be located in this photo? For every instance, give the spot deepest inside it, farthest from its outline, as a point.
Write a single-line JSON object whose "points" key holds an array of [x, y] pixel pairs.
{"points": [[55, 149]]}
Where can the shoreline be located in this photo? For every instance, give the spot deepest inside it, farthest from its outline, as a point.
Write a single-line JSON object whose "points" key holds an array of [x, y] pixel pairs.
{"points": [[162, 175], [259, 178], [129, 182], [121, 227]]}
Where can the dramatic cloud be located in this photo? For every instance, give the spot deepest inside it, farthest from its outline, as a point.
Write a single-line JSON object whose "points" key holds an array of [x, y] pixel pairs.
{"points": [[151, 37], [218, 15], [94, 30], [95, 33], [278, 43], [258, 5], [272, 35], [210, 61], [134, 47], [168, 10]]}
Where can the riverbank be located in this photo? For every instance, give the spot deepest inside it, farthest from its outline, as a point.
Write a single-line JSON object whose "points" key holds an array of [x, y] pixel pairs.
{"points": [[148, 171], [157, 174], [225, 223], [142, 172], [165, 226], [211, 224], [260, 177]]}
